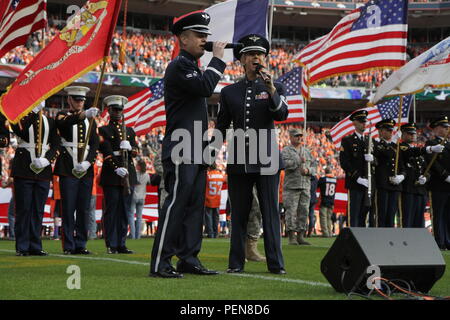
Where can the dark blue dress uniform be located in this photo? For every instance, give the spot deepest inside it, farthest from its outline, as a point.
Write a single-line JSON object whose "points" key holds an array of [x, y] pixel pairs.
{"points": [[440, 189], [30, 188], [4, 135], [351, 157], [414, 195], [386, 194], [180, 224], [253, 110], [117, 202], [76, 191]]}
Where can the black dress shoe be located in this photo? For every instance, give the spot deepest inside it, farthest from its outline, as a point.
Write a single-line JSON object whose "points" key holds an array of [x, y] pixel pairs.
{"points": [[167, 273], [82, 251], [183, 267], [124, 250], [235, 270], [111, 250], [22, 253], [278, 271], [38, 253], [67, 252]]}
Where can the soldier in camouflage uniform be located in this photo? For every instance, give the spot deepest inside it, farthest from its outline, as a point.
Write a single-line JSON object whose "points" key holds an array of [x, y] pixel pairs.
{"points": [[254, 231], [300, 166]]}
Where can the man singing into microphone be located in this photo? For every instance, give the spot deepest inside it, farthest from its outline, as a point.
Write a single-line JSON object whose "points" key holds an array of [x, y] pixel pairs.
{"points": [[185, 91], [253, 104]]}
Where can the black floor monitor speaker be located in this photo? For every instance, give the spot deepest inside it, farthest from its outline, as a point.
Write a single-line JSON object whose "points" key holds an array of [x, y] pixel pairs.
{"points": [[409, 254]]}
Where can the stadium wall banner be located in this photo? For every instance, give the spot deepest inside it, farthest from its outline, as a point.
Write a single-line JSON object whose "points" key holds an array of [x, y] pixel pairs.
{"points": [[113, 79]]}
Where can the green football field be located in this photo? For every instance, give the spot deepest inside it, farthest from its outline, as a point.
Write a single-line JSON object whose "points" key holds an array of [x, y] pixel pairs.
{"points": [[123, 277]]}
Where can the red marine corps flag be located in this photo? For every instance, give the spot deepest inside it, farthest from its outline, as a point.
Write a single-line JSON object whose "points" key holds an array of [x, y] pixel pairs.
{"points": [[77, 49]]}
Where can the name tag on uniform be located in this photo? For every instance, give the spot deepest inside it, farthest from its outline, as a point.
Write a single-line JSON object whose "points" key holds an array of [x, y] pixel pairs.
{"points": [[263, 95]]}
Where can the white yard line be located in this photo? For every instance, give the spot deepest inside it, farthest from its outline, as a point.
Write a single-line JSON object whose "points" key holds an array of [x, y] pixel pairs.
{"points": [[245, 275]]}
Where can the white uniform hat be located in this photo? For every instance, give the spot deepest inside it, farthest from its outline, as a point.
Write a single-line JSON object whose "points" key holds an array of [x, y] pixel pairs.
{"points": [[77, 91], [115, 101]]}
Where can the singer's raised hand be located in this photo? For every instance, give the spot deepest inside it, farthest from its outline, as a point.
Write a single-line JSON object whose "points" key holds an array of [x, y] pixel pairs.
{"points": [[218, 49], [267, 78]]}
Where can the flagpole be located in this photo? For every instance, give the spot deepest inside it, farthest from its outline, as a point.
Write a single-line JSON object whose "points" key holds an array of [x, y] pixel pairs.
{"points": [[40, 115], [433, 159], [305, 103], [97, 98], [272, 4], [414, 107], [99, 87], [39, 146], [398, 132]]}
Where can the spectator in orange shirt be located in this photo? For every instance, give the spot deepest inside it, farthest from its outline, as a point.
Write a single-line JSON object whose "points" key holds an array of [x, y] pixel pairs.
{"points": [[92, 221], [214, 181], [280, 201]]}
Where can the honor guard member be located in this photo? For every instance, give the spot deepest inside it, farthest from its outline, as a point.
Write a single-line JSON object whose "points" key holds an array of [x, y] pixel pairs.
{"points": [[414, 193], [387, 182], [185, 91], [4, 136], [118, 176], [75, 168], [439, 184], [38, 146], [353, 159], [252, 105]]}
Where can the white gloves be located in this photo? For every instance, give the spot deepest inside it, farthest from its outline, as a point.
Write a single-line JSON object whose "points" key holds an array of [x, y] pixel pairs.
{"points": [[125, 145], [39, 107], [447, 179], [362, 181], [41, 163], [436, 149], [121, 172], [91, 112], [83, 166], [397, 179], [368, 157], [422, 180]]}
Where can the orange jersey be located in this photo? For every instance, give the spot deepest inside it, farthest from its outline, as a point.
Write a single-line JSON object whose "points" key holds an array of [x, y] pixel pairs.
{"points": [[214, 182], [56, 190], [280, 200]]}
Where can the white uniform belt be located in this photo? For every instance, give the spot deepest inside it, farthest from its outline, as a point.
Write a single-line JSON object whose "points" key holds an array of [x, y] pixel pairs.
{"points": [[68, 144], [117, 153], [30, 146]]}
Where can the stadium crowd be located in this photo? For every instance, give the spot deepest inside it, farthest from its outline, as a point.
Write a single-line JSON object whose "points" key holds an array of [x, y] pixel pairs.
{"points": [[149, 54]]}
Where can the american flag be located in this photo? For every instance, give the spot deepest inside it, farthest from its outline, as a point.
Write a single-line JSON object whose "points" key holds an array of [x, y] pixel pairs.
{"points": [[370, 37], [18, 19], [145, 110], [294, 99], [387, 109]]}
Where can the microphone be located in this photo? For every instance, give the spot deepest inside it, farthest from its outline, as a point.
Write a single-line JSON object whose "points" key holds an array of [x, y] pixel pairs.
{"points": [[263, 75], [209, 46]]}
